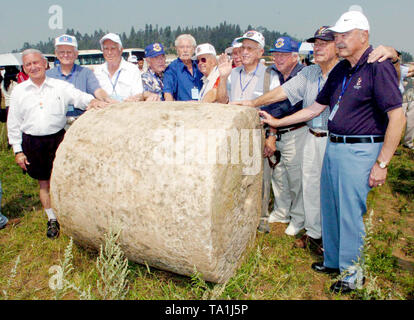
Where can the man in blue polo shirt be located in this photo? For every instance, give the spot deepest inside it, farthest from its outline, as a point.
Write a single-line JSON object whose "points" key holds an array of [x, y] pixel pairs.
{"points": [[365, 127], [182, 79], [66, 50]]}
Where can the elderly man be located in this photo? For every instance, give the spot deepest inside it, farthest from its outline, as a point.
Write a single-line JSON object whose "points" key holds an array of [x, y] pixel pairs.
{"points": [[365, 126], [66, 50], [287, 174], [153, 79], [182, 79], [248, 82], [121, 79], [36, 123], [207, 64], [235, 53], [305, 86]]}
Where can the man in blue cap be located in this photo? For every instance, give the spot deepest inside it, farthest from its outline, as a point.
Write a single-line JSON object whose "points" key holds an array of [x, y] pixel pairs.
{"points": [[289, 141], [152, 80]]}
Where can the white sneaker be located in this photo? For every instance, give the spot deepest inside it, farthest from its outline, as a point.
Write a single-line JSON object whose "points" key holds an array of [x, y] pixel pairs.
{"points": [[292, 230], [273, 219]]}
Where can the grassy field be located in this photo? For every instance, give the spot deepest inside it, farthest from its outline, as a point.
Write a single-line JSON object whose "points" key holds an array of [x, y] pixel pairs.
{"points": [[271, 269]]}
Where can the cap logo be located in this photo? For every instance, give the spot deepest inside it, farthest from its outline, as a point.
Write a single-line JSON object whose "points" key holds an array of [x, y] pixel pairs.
{"points": [[156, 47], [65, 39], [250, 34], [280, 43], [357, 86], [321, 30]]}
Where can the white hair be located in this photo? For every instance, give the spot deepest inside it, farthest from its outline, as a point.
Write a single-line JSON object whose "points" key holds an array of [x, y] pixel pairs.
{"points": [[185, 37], [32, 51]]}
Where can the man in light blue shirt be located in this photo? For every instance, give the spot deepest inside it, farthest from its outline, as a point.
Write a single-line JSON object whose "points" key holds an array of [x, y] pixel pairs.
{"points": [[66, 50]]}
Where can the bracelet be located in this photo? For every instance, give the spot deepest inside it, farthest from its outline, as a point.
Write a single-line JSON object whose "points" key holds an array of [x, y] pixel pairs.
{"points": [[396, 61]]}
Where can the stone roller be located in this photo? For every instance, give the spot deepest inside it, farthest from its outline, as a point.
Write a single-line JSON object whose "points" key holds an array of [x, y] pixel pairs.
{"points": [[181, 180]]}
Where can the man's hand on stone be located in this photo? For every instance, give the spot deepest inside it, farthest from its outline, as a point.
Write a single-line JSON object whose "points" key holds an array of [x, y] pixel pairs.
{"points": [[247, 103], [96, 104]]}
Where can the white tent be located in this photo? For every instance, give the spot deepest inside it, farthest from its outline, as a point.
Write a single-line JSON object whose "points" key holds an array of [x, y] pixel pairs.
{"points": [[10, 59], [306, 48]]}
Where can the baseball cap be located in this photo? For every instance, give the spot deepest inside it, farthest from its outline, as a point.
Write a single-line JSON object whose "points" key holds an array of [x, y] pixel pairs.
{"points": [[66, 39], [253, 35], [153, 50], [205, 48], [133, 59], [111, 36], [323, 33], [351, 20], [234, 44], [284, 44]]}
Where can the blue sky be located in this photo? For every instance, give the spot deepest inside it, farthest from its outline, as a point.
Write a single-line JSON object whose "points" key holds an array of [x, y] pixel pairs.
{"points": [[28, 21]]}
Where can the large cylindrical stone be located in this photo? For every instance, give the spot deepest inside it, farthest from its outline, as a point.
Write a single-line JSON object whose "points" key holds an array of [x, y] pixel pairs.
{"points": [[182, 180]]}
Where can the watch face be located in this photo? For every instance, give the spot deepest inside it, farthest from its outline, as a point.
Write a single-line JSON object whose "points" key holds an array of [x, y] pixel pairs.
{"points": [[382, 165]]}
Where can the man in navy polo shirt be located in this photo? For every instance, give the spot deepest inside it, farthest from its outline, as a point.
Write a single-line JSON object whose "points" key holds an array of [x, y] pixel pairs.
{"points": [[182, 79], [365, 126], [66, 50]]}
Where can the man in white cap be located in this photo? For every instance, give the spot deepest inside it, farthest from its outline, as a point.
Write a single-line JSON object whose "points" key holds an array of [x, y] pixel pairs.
{"points": [[246, 81], [66, 51], [365, 127], [207, 64], [121, 79]]}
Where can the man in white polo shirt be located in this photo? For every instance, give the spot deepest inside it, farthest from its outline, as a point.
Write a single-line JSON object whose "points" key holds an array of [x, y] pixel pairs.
{"points": [[121, 79], [36, 122]]}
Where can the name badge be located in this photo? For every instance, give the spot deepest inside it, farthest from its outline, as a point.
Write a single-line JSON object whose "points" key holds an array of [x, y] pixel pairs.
{"points": [[194, 93], [332, 115]]}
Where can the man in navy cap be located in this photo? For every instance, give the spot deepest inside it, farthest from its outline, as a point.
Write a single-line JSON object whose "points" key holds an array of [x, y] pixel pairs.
{"points": [[289, 141], [152, 80]]}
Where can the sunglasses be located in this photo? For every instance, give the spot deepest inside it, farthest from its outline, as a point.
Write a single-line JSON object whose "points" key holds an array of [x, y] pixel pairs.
{"points": [[203, 60]]}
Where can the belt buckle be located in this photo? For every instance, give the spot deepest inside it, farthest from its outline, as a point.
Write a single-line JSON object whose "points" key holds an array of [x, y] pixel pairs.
{"points": [[335, 139]]}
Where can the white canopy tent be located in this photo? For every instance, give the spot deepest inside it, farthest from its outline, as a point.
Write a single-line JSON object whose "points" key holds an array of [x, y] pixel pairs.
{"points": [[10, 59], [306, 48]]}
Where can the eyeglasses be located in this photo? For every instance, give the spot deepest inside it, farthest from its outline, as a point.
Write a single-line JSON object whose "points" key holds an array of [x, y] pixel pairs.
{"points": [[203, 60], [62, 53]]}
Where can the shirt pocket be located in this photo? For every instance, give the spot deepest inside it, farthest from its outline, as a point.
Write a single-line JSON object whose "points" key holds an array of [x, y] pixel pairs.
{"points": [[56, 105]]}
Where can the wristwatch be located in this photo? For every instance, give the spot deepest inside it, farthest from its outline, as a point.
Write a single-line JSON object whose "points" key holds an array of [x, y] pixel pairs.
{"points": [[381, 164]]}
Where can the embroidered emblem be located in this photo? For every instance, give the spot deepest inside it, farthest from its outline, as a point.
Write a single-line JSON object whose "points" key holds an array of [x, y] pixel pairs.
{"points": [[357, 86], [156, 47], [280, 43]]}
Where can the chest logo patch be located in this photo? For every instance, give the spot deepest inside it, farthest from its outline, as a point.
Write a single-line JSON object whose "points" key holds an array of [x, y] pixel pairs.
{"points": [[357, 86]]}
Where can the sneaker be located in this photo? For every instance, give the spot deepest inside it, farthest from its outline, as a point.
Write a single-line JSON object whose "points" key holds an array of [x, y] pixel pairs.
{"points": [[263, 226], [292, 230], [273, 219], [53, 229]]}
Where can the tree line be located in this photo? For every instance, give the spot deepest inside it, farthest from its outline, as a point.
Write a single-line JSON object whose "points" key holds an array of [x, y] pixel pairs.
{"points": [[219, 36]]}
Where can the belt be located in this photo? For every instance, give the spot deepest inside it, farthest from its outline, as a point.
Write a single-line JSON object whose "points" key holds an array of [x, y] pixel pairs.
{"points": [[318, 134], [345, 139], [300, 125]]}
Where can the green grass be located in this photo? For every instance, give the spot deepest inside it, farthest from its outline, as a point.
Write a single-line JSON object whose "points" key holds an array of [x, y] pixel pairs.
{"points": [[271, 270]]}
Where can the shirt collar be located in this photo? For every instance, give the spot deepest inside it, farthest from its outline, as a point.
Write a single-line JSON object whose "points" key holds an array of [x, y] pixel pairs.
{"points": [[362, 60], [46, 82], [70, 73], [122, 66]]}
